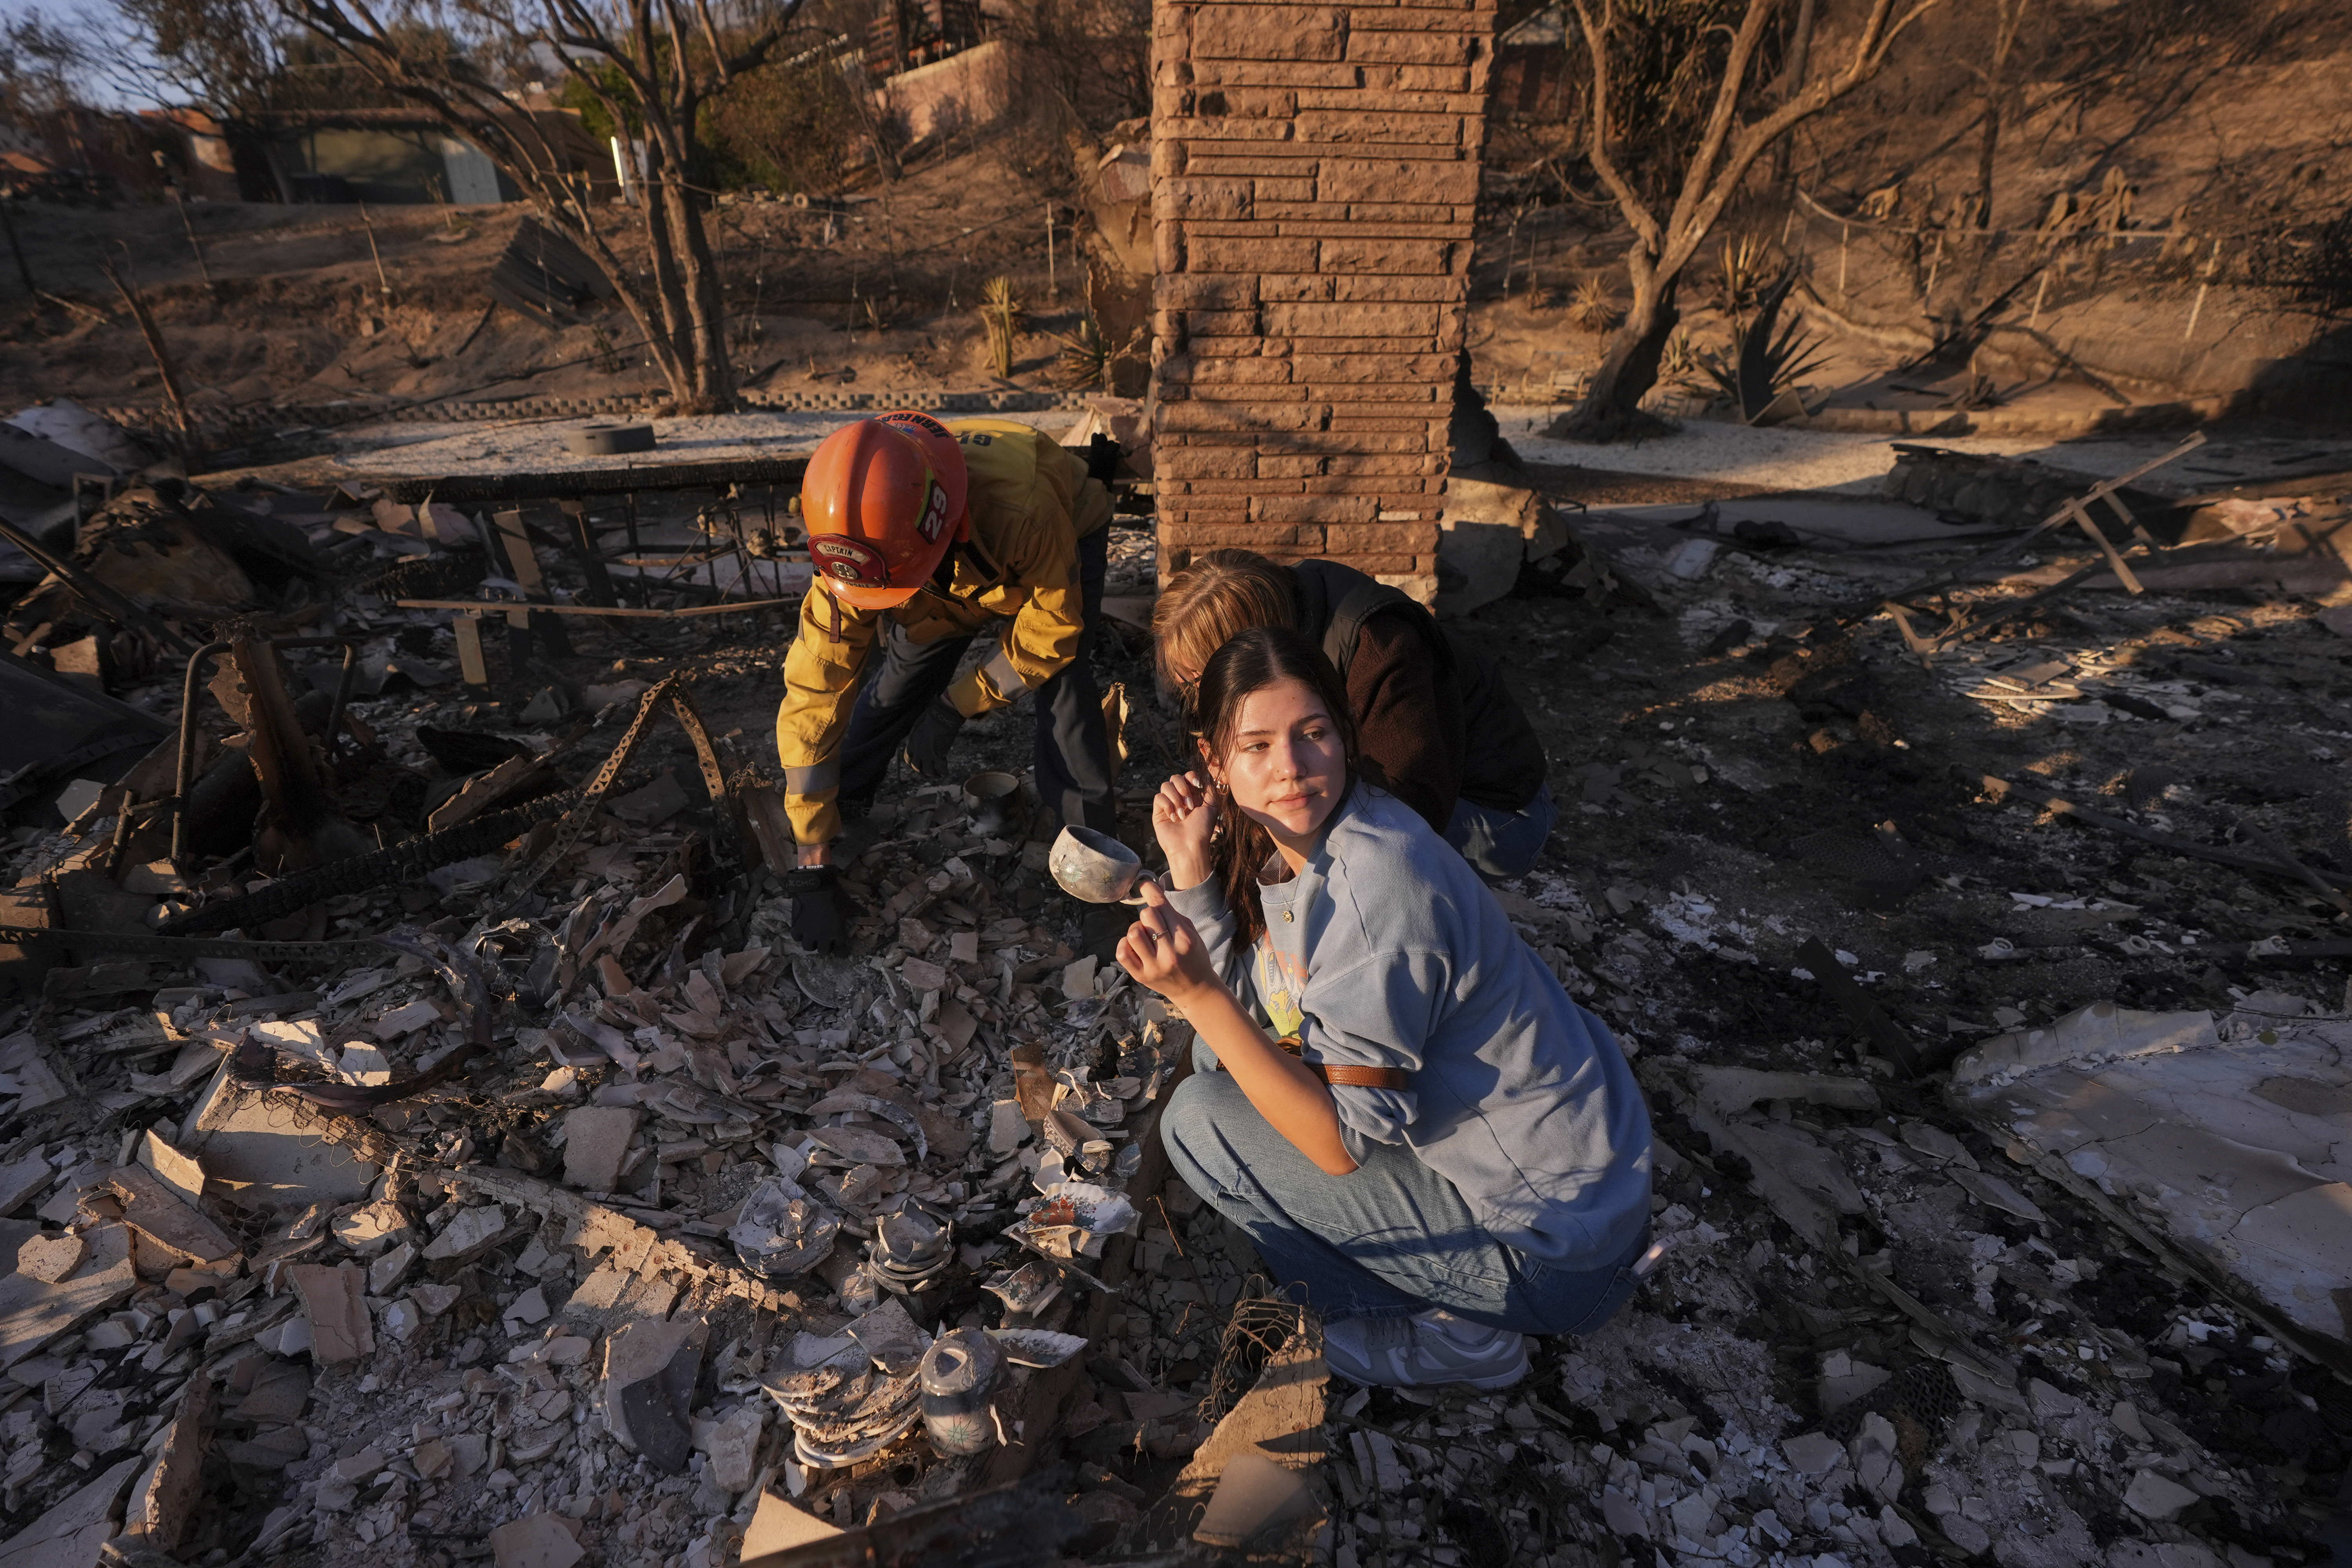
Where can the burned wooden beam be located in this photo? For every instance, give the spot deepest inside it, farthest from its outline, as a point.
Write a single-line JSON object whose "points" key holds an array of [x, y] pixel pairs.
{"points": [[472, 489]]}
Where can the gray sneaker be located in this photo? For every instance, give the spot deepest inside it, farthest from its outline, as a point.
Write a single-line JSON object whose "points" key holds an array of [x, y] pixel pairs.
{"points": [[1424, 1351]]}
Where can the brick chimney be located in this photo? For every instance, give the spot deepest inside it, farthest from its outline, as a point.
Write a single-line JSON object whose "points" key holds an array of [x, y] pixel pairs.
{"points": [[1315, 176]]}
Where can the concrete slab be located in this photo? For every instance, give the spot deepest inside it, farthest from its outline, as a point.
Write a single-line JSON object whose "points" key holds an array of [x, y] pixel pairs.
{"points": [[537, 446], [2221, 1142], [1823, 521], [1853, 463]]}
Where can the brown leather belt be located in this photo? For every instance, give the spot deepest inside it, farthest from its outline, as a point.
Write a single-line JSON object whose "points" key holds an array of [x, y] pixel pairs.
{"points": [[1352, 1077]]}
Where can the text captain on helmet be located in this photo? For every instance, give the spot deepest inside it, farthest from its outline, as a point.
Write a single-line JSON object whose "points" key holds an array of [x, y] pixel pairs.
{"points": [[923, 535]]}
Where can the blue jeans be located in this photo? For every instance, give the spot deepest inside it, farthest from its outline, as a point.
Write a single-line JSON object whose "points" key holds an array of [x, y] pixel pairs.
{"points": [[1503, 843], [1073, 747], [1394, 1237]]}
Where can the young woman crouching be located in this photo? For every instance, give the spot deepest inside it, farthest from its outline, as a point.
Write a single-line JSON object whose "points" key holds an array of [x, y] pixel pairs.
{"points": [[1420, 1133]]}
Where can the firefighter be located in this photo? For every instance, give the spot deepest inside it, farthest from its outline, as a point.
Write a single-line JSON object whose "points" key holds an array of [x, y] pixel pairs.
{"points": [[923, 536]]}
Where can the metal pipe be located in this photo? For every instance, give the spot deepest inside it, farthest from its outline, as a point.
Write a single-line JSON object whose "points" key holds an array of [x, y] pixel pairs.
{"points": [[187, 748], [333, 738]]}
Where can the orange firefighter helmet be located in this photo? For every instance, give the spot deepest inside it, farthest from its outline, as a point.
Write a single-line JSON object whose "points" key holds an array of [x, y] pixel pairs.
{"points": [[882, 501]]}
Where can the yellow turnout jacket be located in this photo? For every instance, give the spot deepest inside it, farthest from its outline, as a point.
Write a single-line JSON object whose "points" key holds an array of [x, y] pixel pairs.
{"points": [[1031, 501]]}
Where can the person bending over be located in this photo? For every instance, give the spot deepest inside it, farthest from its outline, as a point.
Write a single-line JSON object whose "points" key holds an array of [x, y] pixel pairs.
{"points": [[925, 536], [1420, 1133], [1438, 727]]}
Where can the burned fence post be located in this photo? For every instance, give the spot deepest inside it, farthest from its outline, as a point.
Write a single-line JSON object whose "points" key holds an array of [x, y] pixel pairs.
{"points": [[467, 628]]}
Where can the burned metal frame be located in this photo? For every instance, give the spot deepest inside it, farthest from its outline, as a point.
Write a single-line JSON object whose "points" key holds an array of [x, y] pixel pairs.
{"points": [[181, 782], [671, 691], [1962, 626]]}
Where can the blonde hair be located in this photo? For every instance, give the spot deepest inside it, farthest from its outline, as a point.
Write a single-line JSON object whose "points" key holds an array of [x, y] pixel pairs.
{"points": [[1216, 599]]}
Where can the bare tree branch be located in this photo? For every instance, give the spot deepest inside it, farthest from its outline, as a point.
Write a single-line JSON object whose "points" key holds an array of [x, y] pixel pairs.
{"points": [[1723, 152], [616, 56], [1604, 162]]}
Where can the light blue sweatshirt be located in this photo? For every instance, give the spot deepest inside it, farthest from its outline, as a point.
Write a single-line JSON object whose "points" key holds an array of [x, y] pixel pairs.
{"points": [[1387, 950]]}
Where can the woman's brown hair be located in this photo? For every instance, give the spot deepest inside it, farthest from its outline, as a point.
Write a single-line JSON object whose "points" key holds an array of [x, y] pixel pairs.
{"points": [[1251, 661], [1220, 594]]}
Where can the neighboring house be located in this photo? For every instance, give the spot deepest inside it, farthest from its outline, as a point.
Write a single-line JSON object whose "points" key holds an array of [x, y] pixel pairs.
{"points": [[206, 157], [100, 150], [907, 35], [397, 156], [1530, 79]]}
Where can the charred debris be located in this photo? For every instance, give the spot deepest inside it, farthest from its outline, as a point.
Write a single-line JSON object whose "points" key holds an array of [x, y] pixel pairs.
{"points": [[421, 1136]]}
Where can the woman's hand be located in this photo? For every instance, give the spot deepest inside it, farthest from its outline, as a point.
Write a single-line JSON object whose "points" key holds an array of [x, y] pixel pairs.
{"points": [[1163, 951], [1182, 816]]}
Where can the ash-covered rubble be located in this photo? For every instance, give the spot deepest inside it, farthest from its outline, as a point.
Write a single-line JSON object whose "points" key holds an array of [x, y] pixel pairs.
{"points": [[517, 1190], [596, 1216]]}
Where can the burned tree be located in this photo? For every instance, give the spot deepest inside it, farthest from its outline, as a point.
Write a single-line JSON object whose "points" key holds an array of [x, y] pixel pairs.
{"points": [[1671, 173], [651, 68]]}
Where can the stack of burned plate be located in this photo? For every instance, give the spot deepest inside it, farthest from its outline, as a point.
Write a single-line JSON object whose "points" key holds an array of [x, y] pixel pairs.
{"points": [[850, 1396], [913, 1245], [781, 1231]]}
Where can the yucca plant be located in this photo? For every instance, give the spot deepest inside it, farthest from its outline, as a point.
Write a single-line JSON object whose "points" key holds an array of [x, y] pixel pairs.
{"points": [[1681, 363], [1743, 282], [1594, 307], [1766, 362], [1090, 359], [1002, 314]]}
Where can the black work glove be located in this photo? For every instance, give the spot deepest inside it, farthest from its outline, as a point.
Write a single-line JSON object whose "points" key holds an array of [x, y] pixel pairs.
{"points": [[934, 733], [820, 909]]}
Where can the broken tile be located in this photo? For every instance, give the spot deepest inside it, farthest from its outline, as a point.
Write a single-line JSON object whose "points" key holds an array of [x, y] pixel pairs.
{"points": [[526, 1309], [69, 1532], [158, 1213], [536, 1540], [474, 1227], [2154, 1119], [24, 1180], [248, 1140], [2154, 1496], [1813, 1453], [165, 1499], [281, 1392], [334, 1301], [1007, 1127], [32, 1312], [387, 1271], [595, 1141], [182, 1172], [649, 1373], [50, 1258], [779, 1525], [403, 1021], [370, 1225], [730, 1445], [1254, 1495], [362, 1063]]}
